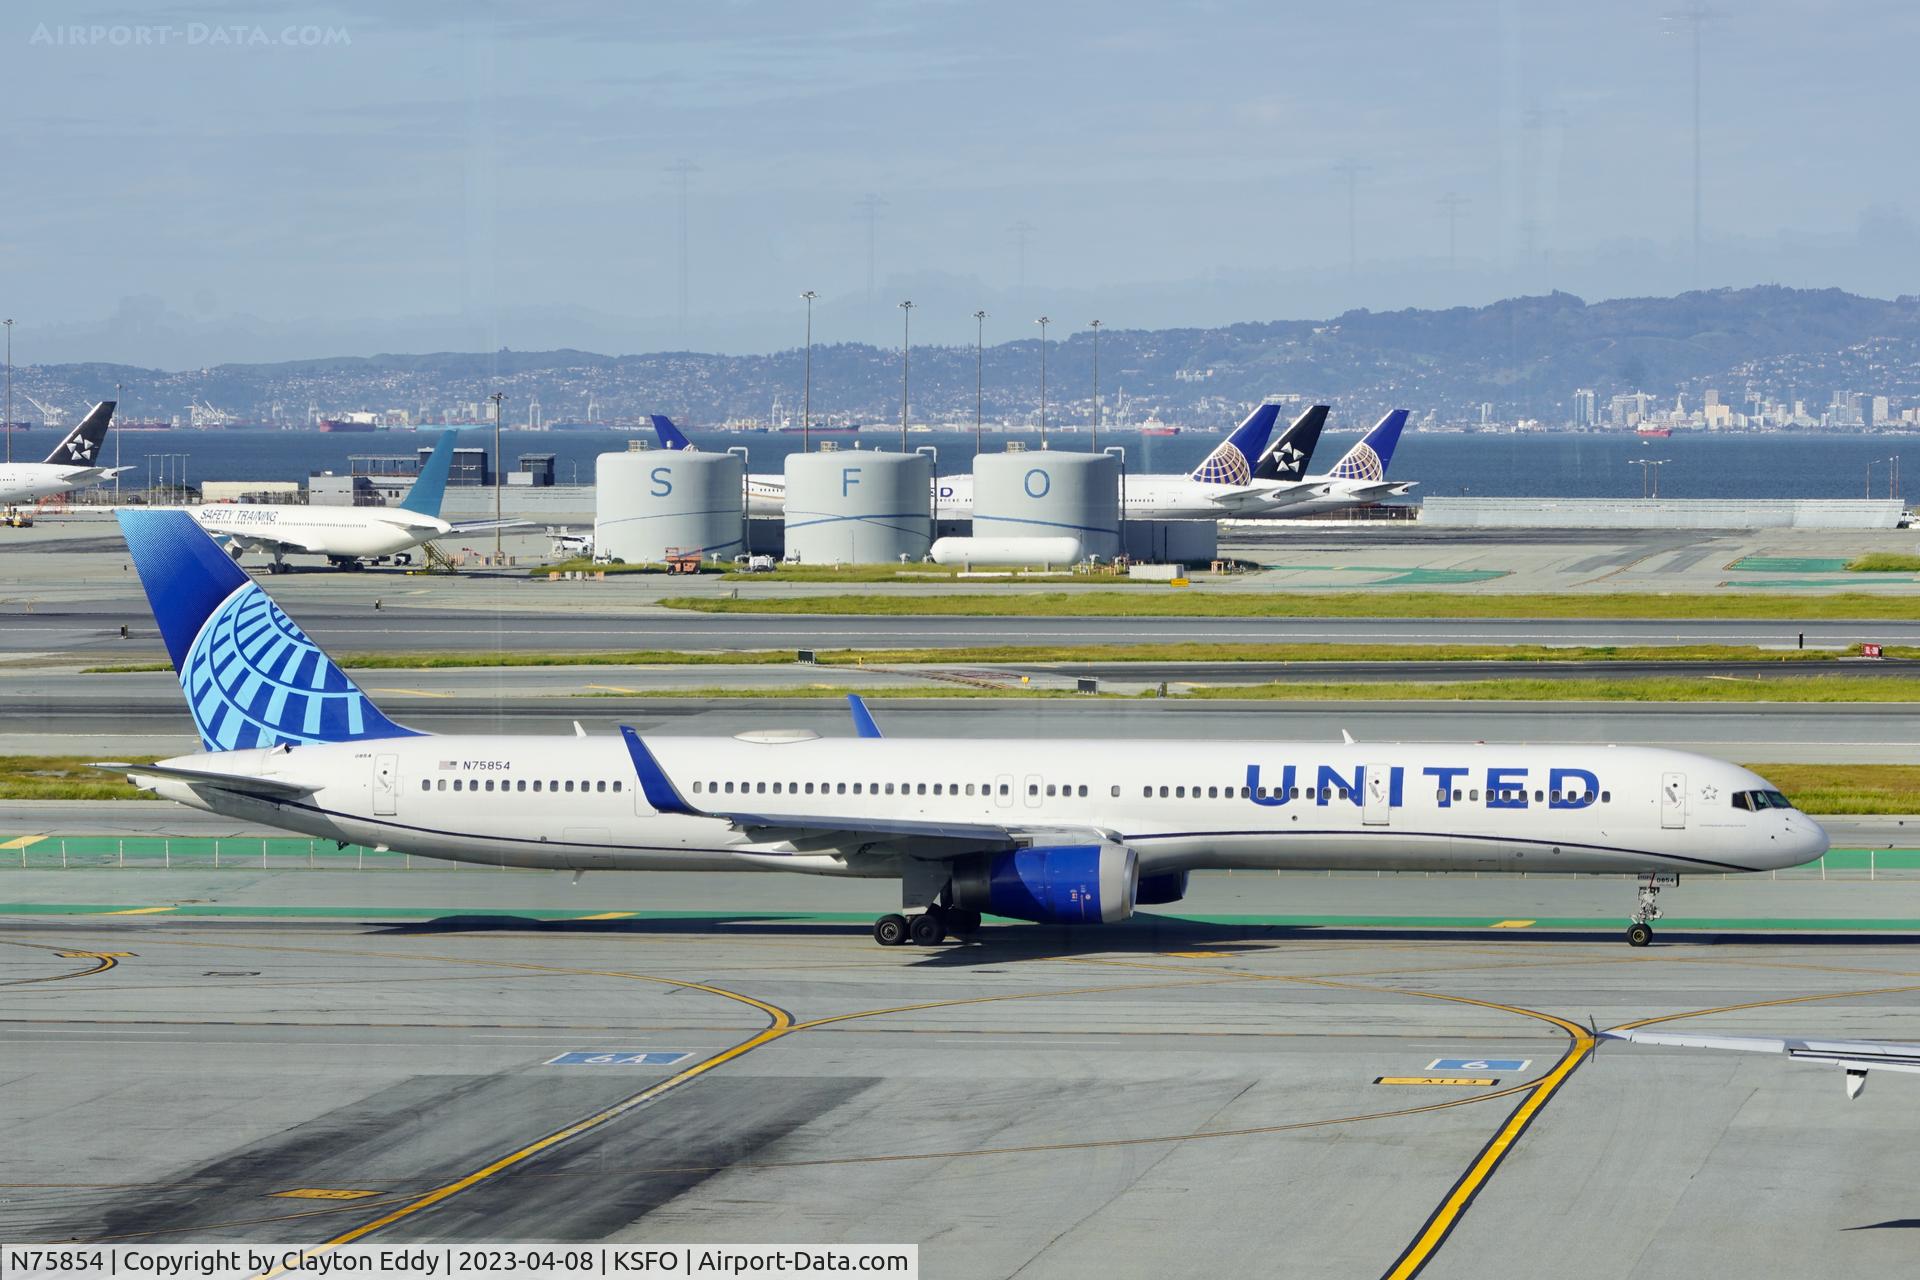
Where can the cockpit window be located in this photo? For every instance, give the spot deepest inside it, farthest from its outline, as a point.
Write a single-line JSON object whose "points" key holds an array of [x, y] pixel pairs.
{"points": [[1755, 801]]}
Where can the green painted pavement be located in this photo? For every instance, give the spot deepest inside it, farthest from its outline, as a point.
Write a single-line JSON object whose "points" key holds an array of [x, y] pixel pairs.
{"points": [[1790, 564]]}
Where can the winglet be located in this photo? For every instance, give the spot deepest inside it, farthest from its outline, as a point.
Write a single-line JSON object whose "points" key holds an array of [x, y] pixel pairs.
{"points": [[662, 796], [671, 437], [863, 724], [430, 486]]}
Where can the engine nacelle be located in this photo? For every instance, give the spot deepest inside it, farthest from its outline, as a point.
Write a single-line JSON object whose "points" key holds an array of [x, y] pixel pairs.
{"points": [[1060, 884], [1164, 886]]}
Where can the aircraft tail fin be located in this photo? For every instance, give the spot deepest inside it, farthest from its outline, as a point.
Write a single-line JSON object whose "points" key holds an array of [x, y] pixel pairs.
{"points": [[251, 676], [81, 447], [1231, 462], [1290, 453], [430, 486], [671, 437], [1369, 459]]}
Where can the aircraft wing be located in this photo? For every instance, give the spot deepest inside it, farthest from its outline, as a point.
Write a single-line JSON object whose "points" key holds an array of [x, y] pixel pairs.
{"points": [[261, 542], [483, 526], [934, 840], [245, 784], [1256, 500], [1856, 1057]]}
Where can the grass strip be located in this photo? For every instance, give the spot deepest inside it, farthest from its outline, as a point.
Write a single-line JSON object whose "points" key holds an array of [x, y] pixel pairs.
{"points": [[1784, 688], [1101, 602], [1056, 654], [1885, 562], [65, 778]]}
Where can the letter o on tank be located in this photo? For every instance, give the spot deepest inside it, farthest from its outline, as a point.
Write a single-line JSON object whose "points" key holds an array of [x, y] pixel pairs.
{"points": [[1046, 483]]}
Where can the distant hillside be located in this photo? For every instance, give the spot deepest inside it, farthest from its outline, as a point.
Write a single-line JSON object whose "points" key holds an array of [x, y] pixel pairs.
{"points": [[1526, 356]]}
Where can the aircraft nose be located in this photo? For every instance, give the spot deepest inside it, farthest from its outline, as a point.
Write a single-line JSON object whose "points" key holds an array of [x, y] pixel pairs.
{"points": [[1810, 838]]}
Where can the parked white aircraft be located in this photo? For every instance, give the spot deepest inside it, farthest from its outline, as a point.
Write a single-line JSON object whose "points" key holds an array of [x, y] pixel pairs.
{"points": [[1221, 486], [69, 466], [1855, 1057], [1054, 831], [1359, 479], [344, 535]]}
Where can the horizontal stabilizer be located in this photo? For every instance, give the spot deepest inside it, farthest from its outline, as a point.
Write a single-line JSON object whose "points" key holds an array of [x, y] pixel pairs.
{"points": [[276, 788]]}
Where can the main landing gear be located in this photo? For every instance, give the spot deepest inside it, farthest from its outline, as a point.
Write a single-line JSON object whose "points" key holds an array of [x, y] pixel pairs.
{"points": [[1640, 931], [928, 928]]}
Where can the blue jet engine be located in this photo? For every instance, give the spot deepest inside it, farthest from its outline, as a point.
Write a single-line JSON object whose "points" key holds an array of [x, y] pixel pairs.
{"points": [[1058, 884]]}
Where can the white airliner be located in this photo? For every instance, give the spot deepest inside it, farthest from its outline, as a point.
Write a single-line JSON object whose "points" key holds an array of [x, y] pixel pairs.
{"points": [[1359, 479], [69, 466], [344, 535], [1221, 486], [1855, 1057], [1053, 831]]}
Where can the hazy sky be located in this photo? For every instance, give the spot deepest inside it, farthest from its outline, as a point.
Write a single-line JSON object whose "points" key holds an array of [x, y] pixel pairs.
{"points": [[193, 183]]}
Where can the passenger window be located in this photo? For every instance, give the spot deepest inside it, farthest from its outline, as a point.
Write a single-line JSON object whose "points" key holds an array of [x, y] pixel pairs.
{"points": [[969, 788], [1456, 793], [569, 784], [1180, 793], [1083, 791], [521, 785], [536, 784], [1474, 794], [1163, 792], [1050, 789], [889, 788], [1344, 795], [1294, 794], [1033, 788], [426, 784], [616, 784], [489, 784], [1440, 795], [1213, 793], [936, 788], [1606, 797], [600, 785], [840, 788], [443, 784], [920, 789], [1310, 794], [1116, 791], [456, 785], [1537, 797]]}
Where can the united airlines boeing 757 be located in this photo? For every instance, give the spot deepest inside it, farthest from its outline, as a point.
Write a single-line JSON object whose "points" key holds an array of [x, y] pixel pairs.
{"points": [[1053, 831]]}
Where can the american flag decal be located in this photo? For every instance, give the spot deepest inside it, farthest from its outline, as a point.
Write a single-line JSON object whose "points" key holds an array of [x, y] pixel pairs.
{"points": [[449, 764]]}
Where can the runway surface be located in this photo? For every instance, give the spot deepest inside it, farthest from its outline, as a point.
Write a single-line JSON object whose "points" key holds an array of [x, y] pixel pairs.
{"points": [[1180, 1094], [93, 634]]}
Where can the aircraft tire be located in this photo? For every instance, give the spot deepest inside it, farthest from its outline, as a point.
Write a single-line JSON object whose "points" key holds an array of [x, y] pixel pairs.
{"points": [[928, 929], [890, 930], [1639, 935]]}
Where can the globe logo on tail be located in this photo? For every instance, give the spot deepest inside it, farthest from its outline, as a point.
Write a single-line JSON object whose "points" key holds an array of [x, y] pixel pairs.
{"points": [[253, 679], [1361, 463], [1225, 465]]}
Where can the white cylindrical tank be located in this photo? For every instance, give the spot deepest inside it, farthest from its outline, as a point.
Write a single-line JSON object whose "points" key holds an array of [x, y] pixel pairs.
{"points": [[858, 508], [1025, 553], [1049, 495], [648, 504]]}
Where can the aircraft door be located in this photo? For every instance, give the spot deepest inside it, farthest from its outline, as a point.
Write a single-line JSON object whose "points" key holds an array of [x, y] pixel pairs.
{"points": [[1673, 800], [1003, 791], [1032, 788], [386, 784], [1376, 805]]}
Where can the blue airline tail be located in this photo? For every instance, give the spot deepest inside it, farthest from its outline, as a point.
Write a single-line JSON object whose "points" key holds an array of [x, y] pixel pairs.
{"points": [[252, 678], [671, 437], [1232, 461], [430, 486], [1369, 459]]}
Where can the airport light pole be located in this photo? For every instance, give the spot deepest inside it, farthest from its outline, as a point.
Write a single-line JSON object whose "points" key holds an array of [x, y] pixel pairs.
{"points": [[806, 395], [1096, 386], [1649, 474], [979, 364], [9, 391], [1043, 322], [496, 397], [906, 359], [119, 407]]}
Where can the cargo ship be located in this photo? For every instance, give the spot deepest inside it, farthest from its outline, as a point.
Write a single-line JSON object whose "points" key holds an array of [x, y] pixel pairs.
{"points": [[1656, 433], [337, 424]]}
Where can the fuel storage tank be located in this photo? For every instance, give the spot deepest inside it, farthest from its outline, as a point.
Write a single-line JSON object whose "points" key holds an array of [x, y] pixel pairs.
{"points": [[1049, 495], [858, 508], [649, 503]]}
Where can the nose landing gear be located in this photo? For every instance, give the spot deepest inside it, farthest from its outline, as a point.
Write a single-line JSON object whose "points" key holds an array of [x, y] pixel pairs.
{"points": [[1640, 931]]}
